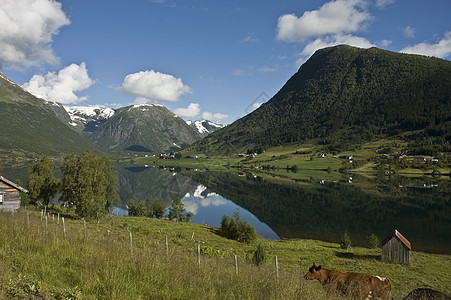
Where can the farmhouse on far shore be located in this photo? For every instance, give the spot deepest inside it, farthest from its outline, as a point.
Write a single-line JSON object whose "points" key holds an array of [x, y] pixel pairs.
{"points": [[10, 195]]}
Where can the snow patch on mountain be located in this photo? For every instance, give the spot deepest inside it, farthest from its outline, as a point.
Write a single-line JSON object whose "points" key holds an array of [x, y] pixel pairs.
{"points": [[204, 126], [81, 115]]}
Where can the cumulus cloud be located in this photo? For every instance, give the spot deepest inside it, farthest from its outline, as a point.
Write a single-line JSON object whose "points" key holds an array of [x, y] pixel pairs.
{"points": [[27, 27], [213, 116], [61, 87], [154, 86], [409, 32], [191, 111], [334, 40], [194, 110], [441, 49], [335, 17]]}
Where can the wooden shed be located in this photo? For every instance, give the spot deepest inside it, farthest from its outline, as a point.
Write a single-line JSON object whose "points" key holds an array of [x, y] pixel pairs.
{"points": [[396, 248], [10, 195]]}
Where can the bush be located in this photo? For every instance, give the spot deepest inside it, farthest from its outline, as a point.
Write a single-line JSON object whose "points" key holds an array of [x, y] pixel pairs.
{"points": [[345, 241], [373, 241], [237, 229], [259, 255]]}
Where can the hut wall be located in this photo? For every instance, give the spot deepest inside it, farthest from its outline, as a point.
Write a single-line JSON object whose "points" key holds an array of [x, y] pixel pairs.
{"points": [[395, 251], [10, 197]]}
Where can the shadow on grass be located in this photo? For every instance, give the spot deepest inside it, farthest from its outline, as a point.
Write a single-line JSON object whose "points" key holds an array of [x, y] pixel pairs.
{"points": [[349, 255]]}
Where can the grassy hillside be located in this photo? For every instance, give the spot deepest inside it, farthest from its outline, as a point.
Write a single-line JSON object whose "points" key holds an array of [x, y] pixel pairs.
{"points": [[39, 261], [30, 127], [344, 96]]}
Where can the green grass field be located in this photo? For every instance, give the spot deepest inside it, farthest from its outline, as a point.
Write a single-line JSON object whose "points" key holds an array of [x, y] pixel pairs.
{"points": [[39, 261]]}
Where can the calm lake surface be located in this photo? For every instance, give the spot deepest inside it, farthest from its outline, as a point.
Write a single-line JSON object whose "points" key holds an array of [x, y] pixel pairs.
{"points": [[281, 205], [419, 208]]}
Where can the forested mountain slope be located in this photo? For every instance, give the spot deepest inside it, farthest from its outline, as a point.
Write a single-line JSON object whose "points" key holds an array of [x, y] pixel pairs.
{"points": [[345, 95]]}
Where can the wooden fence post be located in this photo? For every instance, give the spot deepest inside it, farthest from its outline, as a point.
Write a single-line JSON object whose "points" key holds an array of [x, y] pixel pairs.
{"points": [[236, 265], [84, 228], [277, 267], [166, 243], [198, 254], [131, 243], [64, 227]]}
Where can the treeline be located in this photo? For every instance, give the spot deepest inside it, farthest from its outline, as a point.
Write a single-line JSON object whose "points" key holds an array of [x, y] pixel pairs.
{"points": [[88, 184], [152, 208], [345, 96]]}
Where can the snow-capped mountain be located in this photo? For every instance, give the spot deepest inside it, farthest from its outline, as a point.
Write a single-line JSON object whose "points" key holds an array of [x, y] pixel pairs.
{"points": [[204, 127], [88, 118]]}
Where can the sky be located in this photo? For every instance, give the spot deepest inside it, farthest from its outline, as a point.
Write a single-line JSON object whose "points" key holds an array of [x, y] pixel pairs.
{"points": [[202, 59]]}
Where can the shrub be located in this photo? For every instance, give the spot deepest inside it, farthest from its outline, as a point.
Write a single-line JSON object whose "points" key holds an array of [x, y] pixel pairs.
{"points": [[237, 229], [345, 241], [259, 256]]}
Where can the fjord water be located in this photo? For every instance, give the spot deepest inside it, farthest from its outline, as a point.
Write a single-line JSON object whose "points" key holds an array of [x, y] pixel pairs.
{"points": [[419, 208]]}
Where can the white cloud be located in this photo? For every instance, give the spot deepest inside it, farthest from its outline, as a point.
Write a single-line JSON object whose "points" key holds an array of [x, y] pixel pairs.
{"points": [[409, 32], [335, 17], [154, 86], [334, 40], [213, 117], [383, 3], [191, 111], [385, 43], [267, 70], [441, 49], [27, 27], [61, 87]]}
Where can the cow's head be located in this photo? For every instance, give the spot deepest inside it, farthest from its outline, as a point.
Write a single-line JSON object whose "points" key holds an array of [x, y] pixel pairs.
{"points": [[313, 272]]}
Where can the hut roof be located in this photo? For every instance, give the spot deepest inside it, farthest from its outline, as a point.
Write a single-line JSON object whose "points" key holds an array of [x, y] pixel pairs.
{"points": [[12, 184], [398, 235]]}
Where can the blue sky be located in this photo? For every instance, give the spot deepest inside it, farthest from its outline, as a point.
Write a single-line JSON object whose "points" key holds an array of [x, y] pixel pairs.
{"points": [[201, 59]]}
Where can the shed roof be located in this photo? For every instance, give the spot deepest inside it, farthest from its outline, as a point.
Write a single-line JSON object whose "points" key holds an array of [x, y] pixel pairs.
{"points": [[12, 184], [398, 235]]}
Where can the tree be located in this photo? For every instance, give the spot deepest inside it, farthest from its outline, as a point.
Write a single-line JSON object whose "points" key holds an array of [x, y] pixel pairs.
{"points": [[373, 241], [42, 184], [177, 211], [154, 208], [89, 184]]}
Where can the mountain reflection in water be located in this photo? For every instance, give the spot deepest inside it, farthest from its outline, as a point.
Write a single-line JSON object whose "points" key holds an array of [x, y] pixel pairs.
{"points": [[418, 208], [139, 183]]}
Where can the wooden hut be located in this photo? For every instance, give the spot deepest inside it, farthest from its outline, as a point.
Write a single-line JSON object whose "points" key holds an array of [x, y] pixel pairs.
{"points": [[396, 248], [10, 195]]}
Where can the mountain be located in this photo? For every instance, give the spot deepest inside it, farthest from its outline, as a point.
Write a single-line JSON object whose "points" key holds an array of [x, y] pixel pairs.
{"points": [[144, 128], [204, 127], [88, 119], [30, 126], [343, 96]]}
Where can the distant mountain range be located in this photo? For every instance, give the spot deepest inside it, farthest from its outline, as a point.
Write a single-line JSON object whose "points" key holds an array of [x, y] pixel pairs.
{"points": [[33, 126], [343, 96]]}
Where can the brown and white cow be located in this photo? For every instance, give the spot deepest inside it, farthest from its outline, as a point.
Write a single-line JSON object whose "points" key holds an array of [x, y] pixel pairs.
{"points": [[358, 285]]}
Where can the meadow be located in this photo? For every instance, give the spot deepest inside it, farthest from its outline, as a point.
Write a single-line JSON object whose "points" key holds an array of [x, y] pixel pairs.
{"points": [[127, 258]]}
